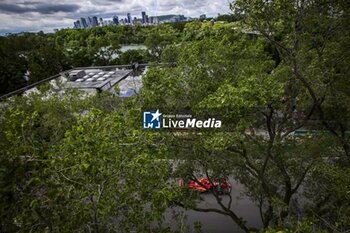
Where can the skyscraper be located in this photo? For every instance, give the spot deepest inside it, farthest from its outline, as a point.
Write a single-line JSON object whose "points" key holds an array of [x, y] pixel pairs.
{"points": [[202, 16], [83, 23], [129, 18], [143, 17], [116, 20], [89, 22], [155, 20], [77, 24], [94, 21]]}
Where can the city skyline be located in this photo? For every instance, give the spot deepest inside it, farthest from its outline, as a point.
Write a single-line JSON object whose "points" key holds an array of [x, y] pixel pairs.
{"points": [[94, 21], [29, 15]]}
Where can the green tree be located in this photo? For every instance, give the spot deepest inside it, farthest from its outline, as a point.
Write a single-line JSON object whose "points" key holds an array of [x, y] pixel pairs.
{"points": [[262, 105], [158, 38], [311, 38], [130, 56], [67, 166]]}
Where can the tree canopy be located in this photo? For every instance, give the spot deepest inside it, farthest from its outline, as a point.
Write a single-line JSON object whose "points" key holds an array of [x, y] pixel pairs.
{"points": [[276, 73]]}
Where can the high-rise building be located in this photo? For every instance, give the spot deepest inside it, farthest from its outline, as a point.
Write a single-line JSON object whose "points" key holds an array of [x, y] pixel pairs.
{"points": [[94, 21], [116, 20], [89, 21], [202, 16], [143, 14], [77, 24], [156, 20], [83, 23], [129, 18], [144, 20]]}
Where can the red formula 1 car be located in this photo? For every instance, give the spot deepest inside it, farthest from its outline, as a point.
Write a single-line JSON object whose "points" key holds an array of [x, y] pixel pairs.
{"points": [[204, 185]]}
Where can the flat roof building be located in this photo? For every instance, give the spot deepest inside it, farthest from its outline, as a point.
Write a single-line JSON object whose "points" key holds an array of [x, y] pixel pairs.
{"points": [[91, 80]]}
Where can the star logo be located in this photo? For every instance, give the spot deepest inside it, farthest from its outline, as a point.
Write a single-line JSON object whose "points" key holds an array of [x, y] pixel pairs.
{"points": [[156, 115], [151, 120]]}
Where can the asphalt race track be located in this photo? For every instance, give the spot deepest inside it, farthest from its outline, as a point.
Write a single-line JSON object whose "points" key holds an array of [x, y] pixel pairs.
{"points": [[217, 223]]}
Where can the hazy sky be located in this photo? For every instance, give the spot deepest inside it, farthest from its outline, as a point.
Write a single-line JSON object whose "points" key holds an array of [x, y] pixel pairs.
{"points": [[36, 15]]}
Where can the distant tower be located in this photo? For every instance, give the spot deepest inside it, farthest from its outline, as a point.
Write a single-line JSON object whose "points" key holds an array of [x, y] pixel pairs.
{"points": [[94, 21], [143, 17], [77, 24], [116, 20], [156, 20], [129, 18], [89, 22], [101, 22], [83, 23]]}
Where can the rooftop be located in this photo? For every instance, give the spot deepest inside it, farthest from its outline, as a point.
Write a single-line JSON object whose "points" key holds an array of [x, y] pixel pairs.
{"points": [[99, 79], [92, 80]]}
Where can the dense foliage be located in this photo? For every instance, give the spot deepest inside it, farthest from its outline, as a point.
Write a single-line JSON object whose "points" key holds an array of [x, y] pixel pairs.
{"points": [[44, 55], [277, 75]]}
